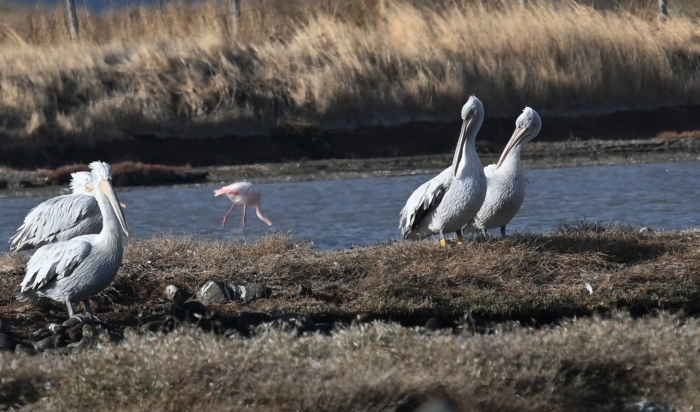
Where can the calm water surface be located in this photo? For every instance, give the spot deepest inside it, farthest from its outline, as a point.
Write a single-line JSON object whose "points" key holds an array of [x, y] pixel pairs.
{"points": [[342, 213]]}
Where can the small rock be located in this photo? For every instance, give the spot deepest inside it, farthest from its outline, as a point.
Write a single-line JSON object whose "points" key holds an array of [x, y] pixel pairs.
{"points": [[57, 329], [40, 334], [25, 348], [46, 343], [5, 343], [646, 230], [212, 293], [304, 290], [89, 331], [75, 334], [73, 321], [174, 293], [256, 291], [433, 324]]}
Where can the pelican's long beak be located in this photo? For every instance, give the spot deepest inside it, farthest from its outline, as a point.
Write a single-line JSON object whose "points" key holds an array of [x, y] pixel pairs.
{"points": [[108, 190], [460, 145], [518, 135]]}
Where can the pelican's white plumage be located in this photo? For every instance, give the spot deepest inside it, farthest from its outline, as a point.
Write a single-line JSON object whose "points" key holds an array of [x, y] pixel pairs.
{"points": [[451, 199], [61, 218], [506, 181], [77, 269]]}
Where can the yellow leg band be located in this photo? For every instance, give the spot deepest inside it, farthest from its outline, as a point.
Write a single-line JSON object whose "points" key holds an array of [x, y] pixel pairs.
{"points": [[443, 242], [460, 240]]}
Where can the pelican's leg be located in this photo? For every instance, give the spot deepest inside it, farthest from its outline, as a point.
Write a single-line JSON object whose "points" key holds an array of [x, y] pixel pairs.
{"points": [[70, 308], [483, 232], [91, 314], [244, 212], [443, 241], [228, 213], [503, 231], [460, 238]]}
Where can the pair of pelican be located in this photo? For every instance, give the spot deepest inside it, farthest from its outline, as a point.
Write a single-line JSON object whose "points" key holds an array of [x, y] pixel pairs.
{"points": [[87, 252], [467, 195]]}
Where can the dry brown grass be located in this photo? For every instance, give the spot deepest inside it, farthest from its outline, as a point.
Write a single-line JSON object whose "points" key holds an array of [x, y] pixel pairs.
{"points": [[585, 365], [671, 136], [527, 276], [177, 73]]}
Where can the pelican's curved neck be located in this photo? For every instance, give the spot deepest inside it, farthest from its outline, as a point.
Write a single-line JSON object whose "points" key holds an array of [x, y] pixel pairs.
{"points": [[512, 162], [110, 225], [469, 158]]}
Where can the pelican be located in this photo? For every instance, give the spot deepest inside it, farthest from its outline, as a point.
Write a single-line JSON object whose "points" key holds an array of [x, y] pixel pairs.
{"points": [[77, 269], [506, 181], [450, 200], [61, 218]]}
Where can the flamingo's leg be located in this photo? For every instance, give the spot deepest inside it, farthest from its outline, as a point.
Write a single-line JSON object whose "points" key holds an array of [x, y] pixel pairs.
{"points": [[226, 215], [244, 212]]}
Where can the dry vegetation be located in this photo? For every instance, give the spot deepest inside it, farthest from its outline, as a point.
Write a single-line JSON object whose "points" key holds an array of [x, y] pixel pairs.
{"points": [[527, 276], [177, 72], [586, 365], [131, 174], [596, 364]]}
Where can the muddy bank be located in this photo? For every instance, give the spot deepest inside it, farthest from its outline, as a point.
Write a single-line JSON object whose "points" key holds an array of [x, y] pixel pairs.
{"points": [[15, 183], [306, 143]]}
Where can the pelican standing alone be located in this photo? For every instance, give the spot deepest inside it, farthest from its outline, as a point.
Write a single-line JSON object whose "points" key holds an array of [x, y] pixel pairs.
{"points": [[78, 269], [450, 200], [506, 181], [61, 218]]}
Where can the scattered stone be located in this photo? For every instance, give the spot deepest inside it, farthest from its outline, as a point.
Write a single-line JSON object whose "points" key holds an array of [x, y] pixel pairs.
{"points": [[174, 293], [75, 334], [191, 312], [73, 321], [433, 324], [212, 293], [255, 291], [646, 230], [25, 348], [57, 329], [304, 290], [40, 334], [5, 343], [46, 343]]}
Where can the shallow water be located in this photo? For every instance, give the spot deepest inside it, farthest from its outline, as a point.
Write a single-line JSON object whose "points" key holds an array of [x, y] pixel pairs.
{"points": [[342, 213]]}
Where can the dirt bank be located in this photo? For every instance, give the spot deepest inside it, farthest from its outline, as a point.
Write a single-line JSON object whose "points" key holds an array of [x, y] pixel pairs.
{"points": [[15, 183]]}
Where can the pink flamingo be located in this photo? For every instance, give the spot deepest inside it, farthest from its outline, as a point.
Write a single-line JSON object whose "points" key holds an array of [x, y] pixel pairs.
{"points": [[244, 193]]}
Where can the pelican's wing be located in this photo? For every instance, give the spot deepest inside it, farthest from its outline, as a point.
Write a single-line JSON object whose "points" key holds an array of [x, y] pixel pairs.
{"points": [[423, 201], [57, 219], [55, 261]]}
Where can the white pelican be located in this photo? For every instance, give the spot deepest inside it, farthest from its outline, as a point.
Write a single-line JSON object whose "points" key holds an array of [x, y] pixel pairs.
{"points": [[61, 218], [451, 199], [506, 181], [244, 193], [78, 269]]}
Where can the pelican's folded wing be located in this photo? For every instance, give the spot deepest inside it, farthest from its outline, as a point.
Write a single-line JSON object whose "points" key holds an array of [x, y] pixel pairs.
{"points": [[57, 219], [423, 201], [54, 261]]}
